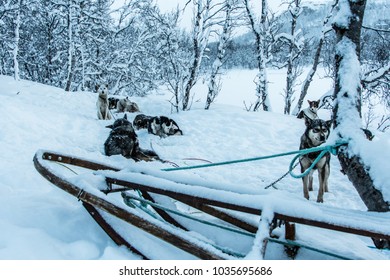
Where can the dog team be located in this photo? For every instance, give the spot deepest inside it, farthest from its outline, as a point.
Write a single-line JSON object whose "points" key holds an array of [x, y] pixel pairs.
{"points": [[123, 140]]}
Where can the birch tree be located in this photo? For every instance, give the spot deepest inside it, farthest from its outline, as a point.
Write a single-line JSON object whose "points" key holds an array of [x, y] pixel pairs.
{"points": [[71, 45], [347, 110], [295, 46], [262, 32], [326, 28], [201, 28], [173, 54], [16, 39], [223, 39]]}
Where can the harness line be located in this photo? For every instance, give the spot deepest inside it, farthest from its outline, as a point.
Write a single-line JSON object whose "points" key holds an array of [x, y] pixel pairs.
{"points": [[322, 149]]}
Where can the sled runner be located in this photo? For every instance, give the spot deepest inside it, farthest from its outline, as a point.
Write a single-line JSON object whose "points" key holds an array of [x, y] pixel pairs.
{"points": [[191, 218]]}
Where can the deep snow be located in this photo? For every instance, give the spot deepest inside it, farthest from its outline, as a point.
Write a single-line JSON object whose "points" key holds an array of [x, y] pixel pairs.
{"points": [[39, 221]]}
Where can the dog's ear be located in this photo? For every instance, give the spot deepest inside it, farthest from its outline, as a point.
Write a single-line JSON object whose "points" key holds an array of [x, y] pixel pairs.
{"points": [[106, 85], [329, 123], [308, 121], [308, 101], [96, 87]]}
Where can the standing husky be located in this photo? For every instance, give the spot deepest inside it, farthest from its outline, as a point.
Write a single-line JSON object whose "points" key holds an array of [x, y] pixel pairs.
{"points": [[316, 133], [103, 112], [311, 111], [123, 141]]}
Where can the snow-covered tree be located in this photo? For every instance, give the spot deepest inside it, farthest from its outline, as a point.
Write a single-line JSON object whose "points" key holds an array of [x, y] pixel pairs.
{"points": [[200, 34], [173, 54], [326, 28], [263, 38], [223, 38], [132, 60], [294, 41], [347, 110], [10, 32], [16, 39]]}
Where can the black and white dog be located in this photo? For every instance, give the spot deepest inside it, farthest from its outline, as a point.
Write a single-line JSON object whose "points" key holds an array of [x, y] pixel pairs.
{"points": [[112, 102], [161, 126], [311, 111], [123, 141], [316, 133], [103, 112]]}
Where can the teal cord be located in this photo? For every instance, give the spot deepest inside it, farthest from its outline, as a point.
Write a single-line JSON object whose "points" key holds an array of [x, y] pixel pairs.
{"points": [[323, 149]]}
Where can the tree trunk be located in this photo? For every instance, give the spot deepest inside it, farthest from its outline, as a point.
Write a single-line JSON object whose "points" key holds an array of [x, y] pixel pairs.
{"points": [[215, 71], [260, 32], [16, 40], [316, 62], [71, 59], [348, 102]]}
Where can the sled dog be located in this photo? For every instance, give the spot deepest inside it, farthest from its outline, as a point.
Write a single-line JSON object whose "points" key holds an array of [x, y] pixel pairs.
{"points": [[311, 111], [141, 121], [316, 133], [123, 141], [103, 112], [125, 105], [163, 127], [112, 102]]}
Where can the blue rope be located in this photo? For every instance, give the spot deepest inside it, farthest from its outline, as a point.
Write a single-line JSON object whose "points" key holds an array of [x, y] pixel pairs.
{"points": [[322, 149]]}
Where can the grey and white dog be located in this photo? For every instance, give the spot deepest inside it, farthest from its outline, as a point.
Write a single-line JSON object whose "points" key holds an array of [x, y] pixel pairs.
{"points": [[124, 141], [316, 133], [103, 111]]}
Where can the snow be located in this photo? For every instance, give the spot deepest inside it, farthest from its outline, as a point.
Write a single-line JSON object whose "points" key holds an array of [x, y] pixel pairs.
{"points": [[40, 221]]}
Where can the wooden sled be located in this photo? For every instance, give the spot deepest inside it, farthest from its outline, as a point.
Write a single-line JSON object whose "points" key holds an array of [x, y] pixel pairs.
{"points": [[231, 212]]}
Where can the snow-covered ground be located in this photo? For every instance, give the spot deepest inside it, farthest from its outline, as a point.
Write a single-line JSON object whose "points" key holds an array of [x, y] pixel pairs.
{"points": [[39, 221]]}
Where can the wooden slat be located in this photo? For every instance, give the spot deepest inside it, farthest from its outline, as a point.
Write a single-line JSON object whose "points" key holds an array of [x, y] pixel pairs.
{"points": [[124, 215], [113, 234]]}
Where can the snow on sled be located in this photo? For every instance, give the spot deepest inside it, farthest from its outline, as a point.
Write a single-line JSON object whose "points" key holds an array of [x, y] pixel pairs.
{"points": [[142, 210]]}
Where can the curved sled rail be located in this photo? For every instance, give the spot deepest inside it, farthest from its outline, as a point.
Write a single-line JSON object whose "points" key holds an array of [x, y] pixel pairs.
{"points": [[119, 212], [368, 221]]}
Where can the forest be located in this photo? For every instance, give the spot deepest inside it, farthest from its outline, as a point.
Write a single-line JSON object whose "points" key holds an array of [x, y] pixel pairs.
{"points": [[135, 48]]}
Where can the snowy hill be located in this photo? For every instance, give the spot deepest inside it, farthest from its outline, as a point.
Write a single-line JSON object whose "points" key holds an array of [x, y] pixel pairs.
{"points": [[39, 221]]}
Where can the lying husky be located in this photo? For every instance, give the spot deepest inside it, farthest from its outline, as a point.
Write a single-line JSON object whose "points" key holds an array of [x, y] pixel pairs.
{"points": [[103, 112], [125, 105], [316, 133], [112, 102], [161, 126], [141, 121], [311, 111], [123, 141]]}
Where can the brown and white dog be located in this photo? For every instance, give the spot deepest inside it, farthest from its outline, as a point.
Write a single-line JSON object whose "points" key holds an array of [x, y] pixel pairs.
{"points": [[316, 133], [103, 112], [125, 105], [311, 111]]}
